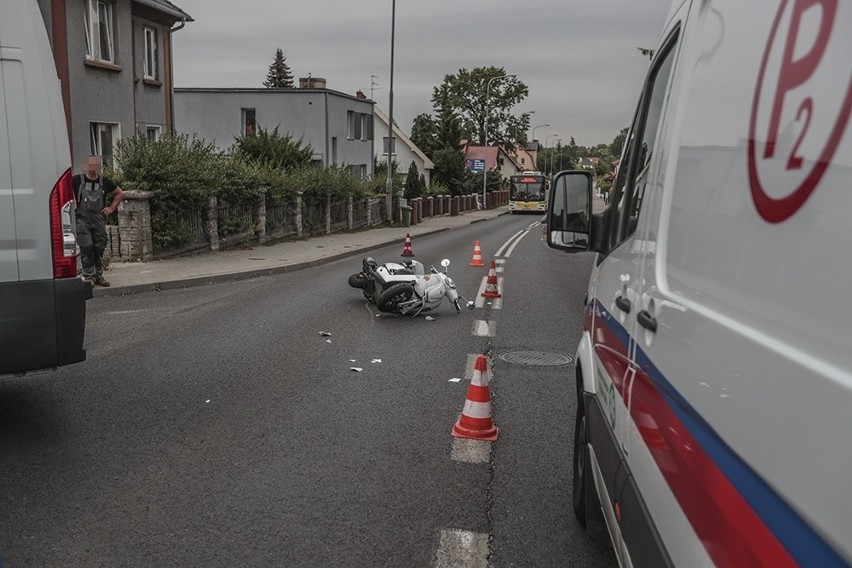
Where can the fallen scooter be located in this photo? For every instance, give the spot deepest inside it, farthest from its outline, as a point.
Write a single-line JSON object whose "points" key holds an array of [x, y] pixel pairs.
{"points": [[405, 288]]}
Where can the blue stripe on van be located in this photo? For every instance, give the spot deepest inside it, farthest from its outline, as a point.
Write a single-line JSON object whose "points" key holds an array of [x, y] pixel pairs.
{"points": [[806, 546]]}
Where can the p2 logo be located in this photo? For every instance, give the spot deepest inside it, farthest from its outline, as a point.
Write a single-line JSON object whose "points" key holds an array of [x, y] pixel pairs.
{"points": [[801, 105]]}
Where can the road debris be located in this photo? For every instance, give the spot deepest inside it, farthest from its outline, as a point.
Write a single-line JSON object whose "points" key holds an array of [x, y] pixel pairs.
{"points": [[376, 361], [325, 333], [455, 380], [356, 369]]}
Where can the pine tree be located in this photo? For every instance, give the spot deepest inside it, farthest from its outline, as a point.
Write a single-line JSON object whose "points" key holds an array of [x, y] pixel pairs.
{"points": [[279, 75]]}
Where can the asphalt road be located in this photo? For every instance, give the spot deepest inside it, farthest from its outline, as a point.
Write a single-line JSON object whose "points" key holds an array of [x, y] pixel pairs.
{"points": [[215, 426]]}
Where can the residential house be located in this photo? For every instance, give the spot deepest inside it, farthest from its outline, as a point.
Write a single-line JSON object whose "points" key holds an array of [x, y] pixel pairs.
{"points": [[338, 127], [114, 61], [526, 157], [405, 151], [494, 157], [589, 163]]}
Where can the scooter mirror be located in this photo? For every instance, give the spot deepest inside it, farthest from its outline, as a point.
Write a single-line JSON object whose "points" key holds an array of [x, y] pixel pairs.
{"points": [[445, 263], [471, 304]]}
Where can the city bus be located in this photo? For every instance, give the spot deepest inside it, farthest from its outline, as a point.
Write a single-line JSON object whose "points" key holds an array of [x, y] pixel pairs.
{"points": [[528, 192]]}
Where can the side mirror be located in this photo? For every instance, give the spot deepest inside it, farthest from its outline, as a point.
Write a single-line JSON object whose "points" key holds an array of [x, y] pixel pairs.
{"points": [[569, 212], [471, 304], [445, 263]]}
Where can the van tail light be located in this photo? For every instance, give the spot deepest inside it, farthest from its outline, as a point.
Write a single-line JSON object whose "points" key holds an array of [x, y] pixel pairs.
{"points": [[62, 228]]}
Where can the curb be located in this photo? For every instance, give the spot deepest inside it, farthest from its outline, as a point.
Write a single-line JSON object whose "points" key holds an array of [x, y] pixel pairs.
{"points": [[196, 281]]}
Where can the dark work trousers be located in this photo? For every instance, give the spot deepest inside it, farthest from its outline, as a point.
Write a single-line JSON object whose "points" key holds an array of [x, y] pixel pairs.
{"points": [[91, 229]]}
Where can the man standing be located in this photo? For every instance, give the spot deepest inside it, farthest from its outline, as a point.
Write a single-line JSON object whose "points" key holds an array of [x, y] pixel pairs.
{"points": [[91, 190]]}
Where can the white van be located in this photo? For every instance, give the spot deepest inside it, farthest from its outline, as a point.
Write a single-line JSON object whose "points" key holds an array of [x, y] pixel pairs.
{"points": [[42, 302], [714, 375]]}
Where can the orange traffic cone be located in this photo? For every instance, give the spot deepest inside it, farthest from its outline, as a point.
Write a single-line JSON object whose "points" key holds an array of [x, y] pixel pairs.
{"points": [[491, 283], [477, 255], [475, 421], [406, 249]]}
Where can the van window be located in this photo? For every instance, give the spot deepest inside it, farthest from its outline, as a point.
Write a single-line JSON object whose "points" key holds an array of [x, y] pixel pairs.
{"points": [[629, 186]]}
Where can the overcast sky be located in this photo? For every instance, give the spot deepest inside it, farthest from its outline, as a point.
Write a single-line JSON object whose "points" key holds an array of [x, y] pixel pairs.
{"points": [[579, 58]]}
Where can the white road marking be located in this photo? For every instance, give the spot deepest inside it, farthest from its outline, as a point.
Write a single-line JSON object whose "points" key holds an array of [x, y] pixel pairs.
{"points": [[470, 451], [462, 549], [500, 250], [484, 328], [514, 244]]}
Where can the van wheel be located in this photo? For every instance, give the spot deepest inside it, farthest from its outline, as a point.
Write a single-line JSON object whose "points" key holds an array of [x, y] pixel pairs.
{"points": [[581, 456]]}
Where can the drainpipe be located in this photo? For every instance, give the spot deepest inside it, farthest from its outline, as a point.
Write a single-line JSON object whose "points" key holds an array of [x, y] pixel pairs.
{"points": [[171, 94], [327, 163]]}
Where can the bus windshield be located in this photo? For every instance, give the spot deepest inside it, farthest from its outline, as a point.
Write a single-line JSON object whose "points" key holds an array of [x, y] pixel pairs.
{"points": [[527, 188]]}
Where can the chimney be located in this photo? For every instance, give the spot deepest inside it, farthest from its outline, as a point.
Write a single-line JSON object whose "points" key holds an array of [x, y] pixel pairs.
{"points": [[360, 94], [311, 83]]}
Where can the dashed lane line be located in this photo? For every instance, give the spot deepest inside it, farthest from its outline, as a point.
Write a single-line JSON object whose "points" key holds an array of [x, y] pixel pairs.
{"points": [[462, 549]]}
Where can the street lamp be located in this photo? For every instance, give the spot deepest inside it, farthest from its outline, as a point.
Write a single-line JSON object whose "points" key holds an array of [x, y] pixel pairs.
{"points": [[389, 182], [485, 132], [548, 137], [534, 127]]}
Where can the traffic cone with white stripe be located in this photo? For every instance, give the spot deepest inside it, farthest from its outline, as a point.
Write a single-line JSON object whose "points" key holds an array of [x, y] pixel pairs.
{"points": [[477, 255], [406, 248], [475, 421], [491, 283]]}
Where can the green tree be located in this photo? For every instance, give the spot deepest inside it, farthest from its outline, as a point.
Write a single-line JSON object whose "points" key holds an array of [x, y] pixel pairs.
{"points": [[272, 149], [618, 143], [412, 182], [424, 134], [449, 169], [279, 75], [464, 95]]}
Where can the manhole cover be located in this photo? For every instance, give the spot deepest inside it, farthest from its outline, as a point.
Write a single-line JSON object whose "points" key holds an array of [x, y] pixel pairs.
{"points": [[535, 358]]}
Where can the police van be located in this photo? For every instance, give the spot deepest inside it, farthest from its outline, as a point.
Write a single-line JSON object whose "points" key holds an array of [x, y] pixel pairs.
{"points": [[714, 374], [42, 302]]}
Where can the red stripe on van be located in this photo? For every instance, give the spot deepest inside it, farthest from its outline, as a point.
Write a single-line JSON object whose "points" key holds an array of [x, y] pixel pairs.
{"points": [[729, 528], [731, 531]]}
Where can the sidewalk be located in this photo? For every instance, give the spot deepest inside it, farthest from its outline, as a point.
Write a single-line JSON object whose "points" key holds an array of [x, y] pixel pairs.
{"points": [[263, 260]]}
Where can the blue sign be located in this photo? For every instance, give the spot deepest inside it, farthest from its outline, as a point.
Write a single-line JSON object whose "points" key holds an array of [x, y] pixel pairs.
{"points": [[476, 165]]}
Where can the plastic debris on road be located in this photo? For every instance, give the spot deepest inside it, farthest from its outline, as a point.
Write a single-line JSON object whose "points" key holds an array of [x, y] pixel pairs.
{"points": [[356, 369], [325, 333], [376, 361], [328, 340], [455, 380], [429, 318]]}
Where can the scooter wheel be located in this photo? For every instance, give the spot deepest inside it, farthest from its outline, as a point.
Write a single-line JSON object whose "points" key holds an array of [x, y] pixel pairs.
{"points": [[391, 298], [357, 280]]}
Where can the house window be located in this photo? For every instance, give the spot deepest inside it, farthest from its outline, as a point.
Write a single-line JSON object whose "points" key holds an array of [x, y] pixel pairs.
{"points": [[358, 171], [103, 137], [99, 31], [153, 132], [150, 63], [385, 146], [368, 126], [249, 122], [359, 126]]}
